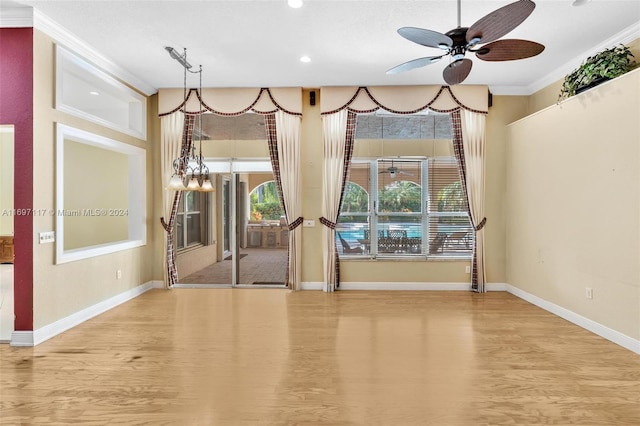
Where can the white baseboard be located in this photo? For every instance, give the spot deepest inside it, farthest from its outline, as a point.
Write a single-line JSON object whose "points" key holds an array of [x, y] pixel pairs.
{"points": [[405, 286], [390, 286], [311, 286], [33, 338], [601, 330]]}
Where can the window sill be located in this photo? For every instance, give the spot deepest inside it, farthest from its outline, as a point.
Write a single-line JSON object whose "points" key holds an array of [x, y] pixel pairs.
{"points": [[404, 259], [192, 247]]}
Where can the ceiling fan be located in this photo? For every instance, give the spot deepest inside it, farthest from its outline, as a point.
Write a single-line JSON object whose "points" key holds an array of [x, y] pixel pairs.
{"points": [[394, 171], [486, 32]]}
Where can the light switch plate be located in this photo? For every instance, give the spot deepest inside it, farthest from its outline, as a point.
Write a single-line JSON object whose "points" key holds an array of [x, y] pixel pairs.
{"points": [[309, 223]]}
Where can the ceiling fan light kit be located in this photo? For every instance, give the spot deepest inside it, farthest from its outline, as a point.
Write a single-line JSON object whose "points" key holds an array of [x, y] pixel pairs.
{"points": [[480, 38]]}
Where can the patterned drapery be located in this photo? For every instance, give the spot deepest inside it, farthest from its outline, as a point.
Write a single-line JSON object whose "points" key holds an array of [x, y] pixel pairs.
{"points": [[468, 144], [469, 141], [283, 132], [169, 131], [283, 136], [338, 133]]}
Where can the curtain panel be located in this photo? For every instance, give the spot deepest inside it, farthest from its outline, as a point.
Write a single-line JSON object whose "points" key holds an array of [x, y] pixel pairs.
{"points": [[467, 106], [338, 135], [171, 199], [284, 150]]}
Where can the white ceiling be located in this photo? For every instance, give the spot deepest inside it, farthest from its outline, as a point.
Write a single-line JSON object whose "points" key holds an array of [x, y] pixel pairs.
{"points": [[257, 43]]}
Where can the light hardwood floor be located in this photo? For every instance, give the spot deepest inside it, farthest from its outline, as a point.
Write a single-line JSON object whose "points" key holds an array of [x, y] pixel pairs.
{"points": [[273, 357]]}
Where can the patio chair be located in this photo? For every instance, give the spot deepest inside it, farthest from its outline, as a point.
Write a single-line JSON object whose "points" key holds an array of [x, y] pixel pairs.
{"points": [[438, 242], [346, 248], [459, 239]]}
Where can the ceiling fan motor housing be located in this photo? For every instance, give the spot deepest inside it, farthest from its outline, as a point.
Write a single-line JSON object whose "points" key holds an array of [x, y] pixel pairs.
{"points": [[459, 47]]}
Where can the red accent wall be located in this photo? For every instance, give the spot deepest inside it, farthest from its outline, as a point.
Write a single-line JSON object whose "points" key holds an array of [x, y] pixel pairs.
{"points": [[16, 107]]}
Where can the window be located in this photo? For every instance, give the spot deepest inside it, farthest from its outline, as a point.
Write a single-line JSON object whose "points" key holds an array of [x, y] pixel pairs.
{"points": [[100, 195], [87, 92], [190, 220], [404, 207]]}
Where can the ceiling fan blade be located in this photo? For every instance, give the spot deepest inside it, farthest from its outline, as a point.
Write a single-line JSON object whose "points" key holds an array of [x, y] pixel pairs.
{"points": [[500, 22], [509, 50], [426, 37], [416, 63], [457, 71]]}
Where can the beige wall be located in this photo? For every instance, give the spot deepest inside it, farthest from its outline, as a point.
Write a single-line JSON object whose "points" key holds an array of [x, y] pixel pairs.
{"points": [[61, 290], [6, 180], [90, 176], [573, 204], [505, 110], [311, 154]]}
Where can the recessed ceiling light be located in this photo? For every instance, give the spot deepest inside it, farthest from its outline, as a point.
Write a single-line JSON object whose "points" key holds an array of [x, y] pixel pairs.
{"points": [[94, 93], [294, 3], [305, 58], [579, 2]]}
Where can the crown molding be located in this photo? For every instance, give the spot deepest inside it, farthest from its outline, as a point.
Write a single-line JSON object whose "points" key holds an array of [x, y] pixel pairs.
{"points": [[16, 17], [625, 36], [72, 42]]}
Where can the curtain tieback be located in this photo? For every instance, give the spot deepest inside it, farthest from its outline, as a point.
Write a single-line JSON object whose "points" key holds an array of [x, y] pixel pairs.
{"points": [[165, 225], [293, 225], [481, 224], [168, 227], [326, 222]]}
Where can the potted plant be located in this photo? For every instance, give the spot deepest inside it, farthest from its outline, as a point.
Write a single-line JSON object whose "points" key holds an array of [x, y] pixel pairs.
{"points": [[603, 66]]}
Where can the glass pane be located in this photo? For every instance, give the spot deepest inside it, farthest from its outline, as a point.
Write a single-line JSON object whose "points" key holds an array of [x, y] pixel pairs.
{"points": [[193, 228], [400, 234], [399, 186], [352, 237], [179, 231], [356, 197], [193, 201], [450, 235], [181, 204]]}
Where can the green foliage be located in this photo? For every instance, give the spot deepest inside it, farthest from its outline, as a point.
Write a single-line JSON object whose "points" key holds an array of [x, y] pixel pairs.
{"points": [[355, 200], [609, 63], [269, 211], [451, 198], [400, 196], [264, 200]]}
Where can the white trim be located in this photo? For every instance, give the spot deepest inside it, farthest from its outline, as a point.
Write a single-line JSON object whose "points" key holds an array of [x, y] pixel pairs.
{"points": [[33, 338], [22, 338], [614, 336], [16, 17], [311, 285], [73, 70], [72, 42], [405, 286], [136, 211]]}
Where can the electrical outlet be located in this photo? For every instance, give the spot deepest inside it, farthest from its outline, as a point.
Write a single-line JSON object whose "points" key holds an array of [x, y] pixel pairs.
{"points": [[588, 292], [47, 237], [467, 269], [118, 274], [309, 223]]}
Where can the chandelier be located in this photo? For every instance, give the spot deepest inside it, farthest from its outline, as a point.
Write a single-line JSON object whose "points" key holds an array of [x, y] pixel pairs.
{"points": [[190, 173]]}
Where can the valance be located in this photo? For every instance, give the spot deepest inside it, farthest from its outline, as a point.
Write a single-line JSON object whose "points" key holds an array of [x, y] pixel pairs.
{"points": [[404, 99], [232, 101]]}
